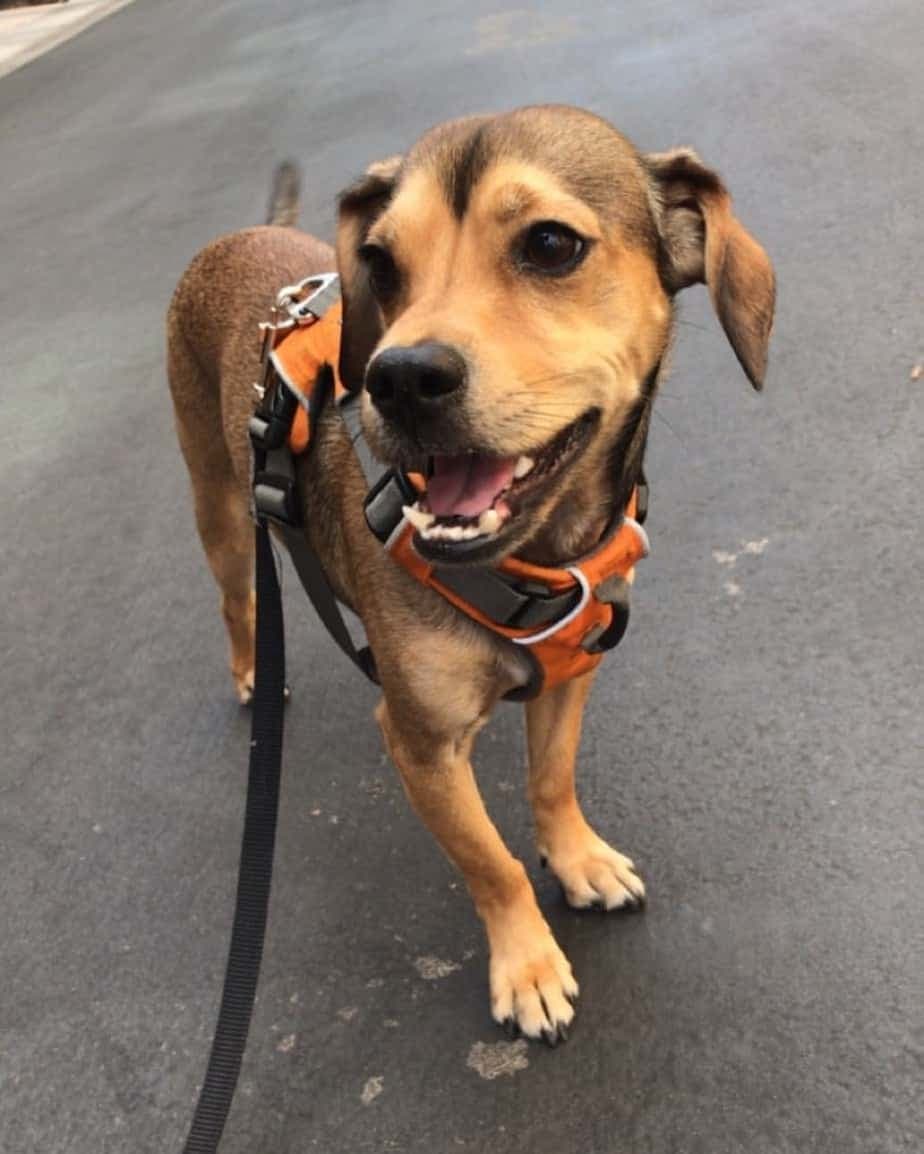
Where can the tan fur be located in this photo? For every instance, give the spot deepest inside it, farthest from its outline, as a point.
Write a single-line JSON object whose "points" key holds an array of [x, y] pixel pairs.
{"points": [[537, 358]]}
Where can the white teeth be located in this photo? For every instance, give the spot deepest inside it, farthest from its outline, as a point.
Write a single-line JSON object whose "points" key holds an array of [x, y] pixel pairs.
{"points": [[417, 517], [431, 529], [523, 466], [444, 533], [451, 532]]}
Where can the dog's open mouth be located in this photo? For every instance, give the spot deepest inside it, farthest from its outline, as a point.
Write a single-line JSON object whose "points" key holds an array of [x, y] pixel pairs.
{"points": [[472, 498]]}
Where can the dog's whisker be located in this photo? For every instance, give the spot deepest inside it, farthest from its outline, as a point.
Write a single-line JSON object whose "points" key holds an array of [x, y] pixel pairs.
{"points": [[532, 383]]}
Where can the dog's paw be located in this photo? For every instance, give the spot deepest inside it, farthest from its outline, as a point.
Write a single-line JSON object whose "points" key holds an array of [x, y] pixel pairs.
{"points": [[593, 875], [532, 987], [243, 683]]}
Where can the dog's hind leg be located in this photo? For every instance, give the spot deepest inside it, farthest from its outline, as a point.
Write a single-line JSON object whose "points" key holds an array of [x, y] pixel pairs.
{"points": [[222, 515], [592, 873]]}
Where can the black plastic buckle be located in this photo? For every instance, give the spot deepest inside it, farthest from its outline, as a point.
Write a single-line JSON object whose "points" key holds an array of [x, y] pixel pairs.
{"points": [[272, 422], [614, 591], [274, 487], [385, 500], [275, 497]]}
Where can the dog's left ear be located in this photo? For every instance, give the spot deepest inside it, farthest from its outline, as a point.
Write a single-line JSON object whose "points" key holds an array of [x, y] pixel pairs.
{"points": [[360, 205], [702, 241]]}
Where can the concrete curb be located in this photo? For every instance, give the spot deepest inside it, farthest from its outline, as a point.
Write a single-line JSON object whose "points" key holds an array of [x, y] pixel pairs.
{"points": [[31, 32]]}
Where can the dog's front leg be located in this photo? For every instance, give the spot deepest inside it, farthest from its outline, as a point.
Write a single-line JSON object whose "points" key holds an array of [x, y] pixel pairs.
{"points": [[532, 986], [592, 873]]}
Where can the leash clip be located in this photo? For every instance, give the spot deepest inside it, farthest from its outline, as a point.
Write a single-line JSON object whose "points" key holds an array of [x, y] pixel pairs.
{"points": [[303, 303], [297, 306]]}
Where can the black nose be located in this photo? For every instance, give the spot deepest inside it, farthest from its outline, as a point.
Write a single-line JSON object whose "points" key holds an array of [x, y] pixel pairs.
{"points": [[422, 376]]}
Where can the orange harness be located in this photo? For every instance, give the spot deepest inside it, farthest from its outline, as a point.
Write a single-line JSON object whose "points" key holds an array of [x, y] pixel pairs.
{"points": [[598, 584], [565, 619]]}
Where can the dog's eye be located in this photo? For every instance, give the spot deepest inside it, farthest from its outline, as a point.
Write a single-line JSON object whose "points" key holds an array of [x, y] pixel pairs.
{"points": [[552, 248], [384, 277]]}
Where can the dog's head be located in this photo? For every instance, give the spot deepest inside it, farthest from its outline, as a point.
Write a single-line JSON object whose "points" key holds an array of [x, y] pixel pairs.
{"points": [[508, 293]]}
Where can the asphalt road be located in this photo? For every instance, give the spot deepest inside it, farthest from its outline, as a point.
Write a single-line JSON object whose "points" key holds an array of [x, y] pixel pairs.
{"points": [[756, 744]]}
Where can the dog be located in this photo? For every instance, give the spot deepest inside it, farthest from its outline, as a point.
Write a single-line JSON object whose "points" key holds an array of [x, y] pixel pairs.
{"points": [[508, 290]]}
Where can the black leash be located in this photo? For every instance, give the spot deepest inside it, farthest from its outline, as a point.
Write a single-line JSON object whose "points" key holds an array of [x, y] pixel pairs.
{"points": [[276, 499], [256, 868]]}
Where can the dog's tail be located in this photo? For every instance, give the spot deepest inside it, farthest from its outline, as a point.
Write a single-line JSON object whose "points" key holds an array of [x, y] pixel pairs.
{"points": [[284, 195]]}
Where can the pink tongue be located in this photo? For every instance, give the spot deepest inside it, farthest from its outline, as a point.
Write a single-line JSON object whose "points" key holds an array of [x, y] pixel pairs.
{"points": [[466, 485]]}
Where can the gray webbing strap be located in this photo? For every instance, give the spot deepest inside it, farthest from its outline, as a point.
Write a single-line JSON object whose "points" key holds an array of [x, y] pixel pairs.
{"points": [[321, 595], [505, 601], [351, 414]]}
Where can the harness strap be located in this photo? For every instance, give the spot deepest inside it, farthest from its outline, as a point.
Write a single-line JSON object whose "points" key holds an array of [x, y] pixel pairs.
{"points": [[275, 495], [350, 413], [256, 867], [314, 581], [594, 591], [505, 601]]}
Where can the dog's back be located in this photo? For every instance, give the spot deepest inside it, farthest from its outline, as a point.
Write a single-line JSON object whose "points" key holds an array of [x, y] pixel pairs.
{"points": [[213, 343]]}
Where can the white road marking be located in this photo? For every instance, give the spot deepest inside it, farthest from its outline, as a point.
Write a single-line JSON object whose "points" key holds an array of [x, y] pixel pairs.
{"points": [[27, 33]]}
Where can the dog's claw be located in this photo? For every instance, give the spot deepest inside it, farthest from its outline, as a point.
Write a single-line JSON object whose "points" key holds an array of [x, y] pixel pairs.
{"points": [[553, 1035], [510, 1028], [543, 861], [633, 904]]}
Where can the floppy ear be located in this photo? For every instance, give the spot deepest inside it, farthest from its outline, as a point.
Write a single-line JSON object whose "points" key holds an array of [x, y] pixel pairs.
{"points": [[360, 205], [703, 241]]}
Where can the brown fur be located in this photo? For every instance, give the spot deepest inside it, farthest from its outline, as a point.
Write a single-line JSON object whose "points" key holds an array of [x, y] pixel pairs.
{"points": [[538, 356]]}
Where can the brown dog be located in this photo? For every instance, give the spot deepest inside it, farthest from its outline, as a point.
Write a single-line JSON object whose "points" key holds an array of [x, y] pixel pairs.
{"points": [[509, 279]]}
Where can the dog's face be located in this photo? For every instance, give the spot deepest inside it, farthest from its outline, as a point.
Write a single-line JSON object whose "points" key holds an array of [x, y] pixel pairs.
{"points": [[507, 304]]}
